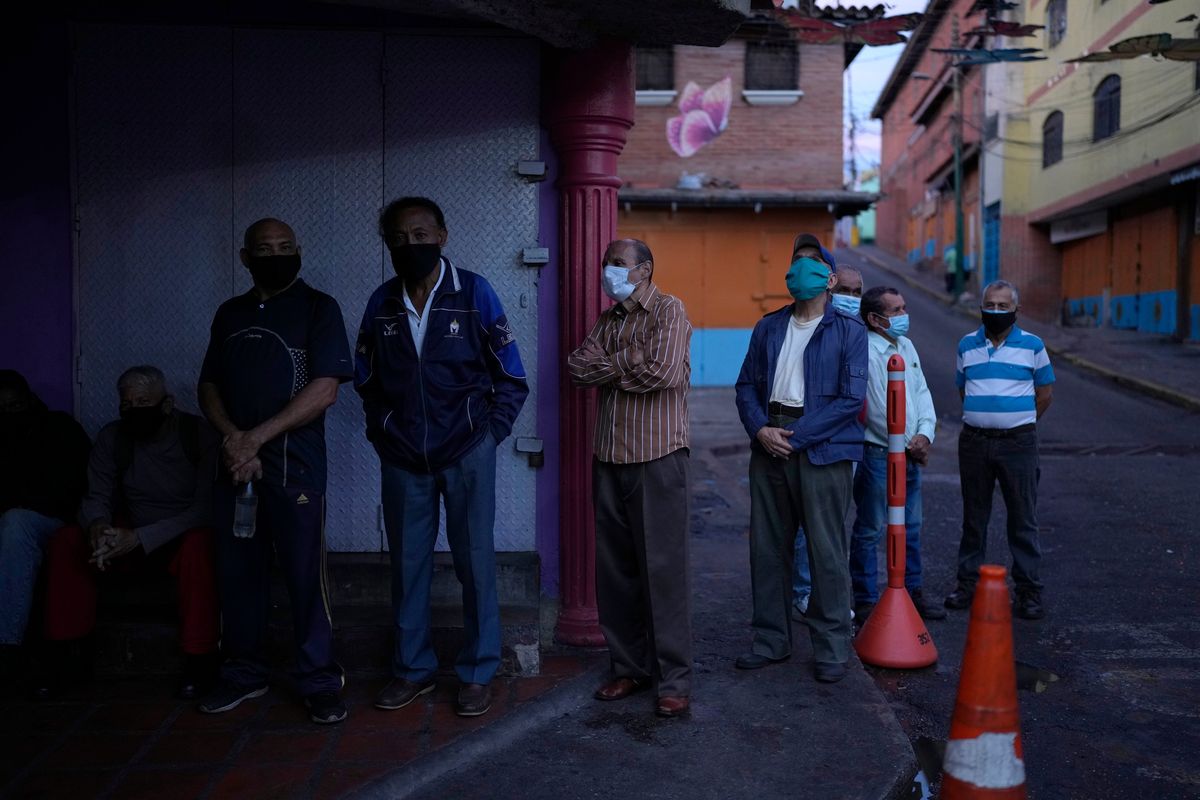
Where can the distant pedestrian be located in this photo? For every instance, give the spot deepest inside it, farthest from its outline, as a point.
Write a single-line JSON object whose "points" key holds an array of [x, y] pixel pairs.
{"points": [[800, 395], [1005, 379], [886, 315], [637, 356]]}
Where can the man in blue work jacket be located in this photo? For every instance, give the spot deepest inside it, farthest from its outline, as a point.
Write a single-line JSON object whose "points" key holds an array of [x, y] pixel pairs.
{"points": [[441, 380], [799, 396]]}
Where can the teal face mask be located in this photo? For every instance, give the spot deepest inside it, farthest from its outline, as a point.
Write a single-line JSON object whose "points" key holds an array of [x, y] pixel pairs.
{"points": [[807, 278]]}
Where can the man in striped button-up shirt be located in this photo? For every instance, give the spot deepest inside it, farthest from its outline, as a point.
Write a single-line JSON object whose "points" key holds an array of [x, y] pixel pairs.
{"points": [[637, 355]]}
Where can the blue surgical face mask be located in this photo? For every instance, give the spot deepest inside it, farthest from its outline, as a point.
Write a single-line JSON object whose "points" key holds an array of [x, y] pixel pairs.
{"points": [[615, 282], [807, 278], [899, 325], [847, 303]]}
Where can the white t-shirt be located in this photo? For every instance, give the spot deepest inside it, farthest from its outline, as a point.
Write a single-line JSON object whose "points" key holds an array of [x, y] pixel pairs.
{"points": [[789, 369], [416, 322]]}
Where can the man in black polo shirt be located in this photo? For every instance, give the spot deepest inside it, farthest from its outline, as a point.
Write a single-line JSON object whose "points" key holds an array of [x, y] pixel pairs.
{"points": [[274, 362]]}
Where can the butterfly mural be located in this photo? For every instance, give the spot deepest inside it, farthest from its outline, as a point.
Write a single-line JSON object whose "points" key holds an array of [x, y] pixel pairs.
{"points": [[703, 116]]}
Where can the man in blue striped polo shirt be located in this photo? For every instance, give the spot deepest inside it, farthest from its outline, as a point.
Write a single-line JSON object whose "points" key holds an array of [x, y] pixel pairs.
{"points": [[1005, 379]]}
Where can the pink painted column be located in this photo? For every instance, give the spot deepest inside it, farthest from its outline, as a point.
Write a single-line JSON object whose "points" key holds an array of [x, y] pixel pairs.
{"points": [[589, 112]]}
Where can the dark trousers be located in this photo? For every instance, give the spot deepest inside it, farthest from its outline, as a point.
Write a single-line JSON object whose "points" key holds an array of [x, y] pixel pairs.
{"points": [[71, 585], [290, 526], [643, 571], [1010, 458], [785, 494]]}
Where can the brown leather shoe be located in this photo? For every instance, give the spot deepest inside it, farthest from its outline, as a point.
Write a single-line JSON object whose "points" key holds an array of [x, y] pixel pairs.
{"points": [[474, 699], [619, 688], [672, 706]]}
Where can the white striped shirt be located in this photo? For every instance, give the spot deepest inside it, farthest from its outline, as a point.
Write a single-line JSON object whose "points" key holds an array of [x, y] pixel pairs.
{"points": [[642, 414], [999, 383]]}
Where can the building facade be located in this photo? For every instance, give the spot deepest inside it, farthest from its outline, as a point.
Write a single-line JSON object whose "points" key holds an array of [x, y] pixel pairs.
{"points": [[721, 219], [1089, 171], [915, 217]]}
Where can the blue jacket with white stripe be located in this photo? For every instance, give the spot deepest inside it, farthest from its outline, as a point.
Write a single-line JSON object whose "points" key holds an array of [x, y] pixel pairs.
{"points": [[426, 410], [835, 384]]}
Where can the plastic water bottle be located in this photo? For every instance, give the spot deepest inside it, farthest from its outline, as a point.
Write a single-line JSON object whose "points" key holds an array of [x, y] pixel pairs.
{"points": [[245, 512]]}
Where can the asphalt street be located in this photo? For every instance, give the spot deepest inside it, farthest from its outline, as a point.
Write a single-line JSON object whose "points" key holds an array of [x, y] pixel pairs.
{"points": [[1109, 704], [1118, 512]]}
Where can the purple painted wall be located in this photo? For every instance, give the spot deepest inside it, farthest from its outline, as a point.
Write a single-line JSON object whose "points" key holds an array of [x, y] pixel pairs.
{"points": [[548, 372], [36, 312]]}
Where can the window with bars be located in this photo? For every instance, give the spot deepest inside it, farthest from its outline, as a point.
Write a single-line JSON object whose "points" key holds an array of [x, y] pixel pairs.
{"points": [[1106, 108], [1052, 139], [655, 68], [772, 66], [1056, 21]]}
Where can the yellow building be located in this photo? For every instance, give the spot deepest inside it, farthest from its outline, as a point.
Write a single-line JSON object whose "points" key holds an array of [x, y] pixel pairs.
{"points": [[1100, 167]]}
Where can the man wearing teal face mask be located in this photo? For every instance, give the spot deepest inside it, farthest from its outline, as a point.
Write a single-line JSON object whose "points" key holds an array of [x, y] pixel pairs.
{"points": [[799, 396], [845, 296]]}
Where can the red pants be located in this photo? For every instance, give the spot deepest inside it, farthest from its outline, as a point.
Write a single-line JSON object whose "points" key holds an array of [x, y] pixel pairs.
{"points": [[71, 585]]}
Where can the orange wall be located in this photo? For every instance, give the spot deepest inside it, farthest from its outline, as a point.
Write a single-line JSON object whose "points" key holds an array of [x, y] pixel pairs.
{"points": [[726, 265], [1086, 268]]}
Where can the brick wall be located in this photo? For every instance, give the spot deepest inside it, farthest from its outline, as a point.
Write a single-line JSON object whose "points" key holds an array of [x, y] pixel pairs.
{"points": [[797, 146]]}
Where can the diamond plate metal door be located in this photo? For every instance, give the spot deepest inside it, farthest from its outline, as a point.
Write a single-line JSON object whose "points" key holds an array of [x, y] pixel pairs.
{"points": [[459, 114], [308, 149], [153, 138]]}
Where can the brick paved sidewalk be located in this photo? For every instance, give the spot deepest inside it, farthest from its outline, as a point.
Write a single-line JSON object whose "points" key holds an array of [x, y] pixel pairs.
{"points": [[127, 739]]}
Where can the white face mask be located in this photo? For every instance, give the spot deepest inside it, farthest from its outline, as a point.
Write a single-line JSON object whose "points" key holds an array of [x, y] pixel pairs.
{"points": [[615, 281]]}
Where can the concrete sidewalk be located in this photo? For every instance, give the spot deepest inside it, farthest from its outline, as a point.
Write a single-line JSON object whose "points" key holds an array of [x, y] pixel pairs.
{"points": [[1148, 363], [773, 732]]}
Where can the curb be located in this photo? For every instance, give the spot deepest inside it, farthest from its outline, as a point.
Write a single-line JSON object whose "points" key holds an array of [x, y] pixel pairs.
{"points": [[1145, 387], [568, 696]]}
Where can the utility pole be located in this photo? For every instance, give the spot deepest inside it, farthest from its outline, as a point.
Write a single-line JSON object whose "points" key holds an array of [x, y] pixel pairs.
{"points": [[853, 130], [960, 256]]}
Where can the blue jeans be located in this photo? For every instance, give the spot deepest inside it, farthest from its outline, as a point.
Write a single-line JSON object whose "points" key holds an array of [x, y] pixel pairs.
{"points": [[801, 574], [467, 489], [870, 498], [23, 537]]}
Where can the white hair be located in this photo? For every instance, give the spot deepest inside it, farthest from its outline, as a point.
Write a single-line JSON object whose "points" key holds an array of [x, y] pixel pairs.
{"points": [[1001, 285]]}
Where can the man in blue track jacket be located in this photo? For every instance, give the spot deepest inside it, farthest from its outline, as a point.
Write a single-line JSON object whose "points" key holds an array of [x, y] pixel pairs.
{"points": [[441, 380], [799, 396]]}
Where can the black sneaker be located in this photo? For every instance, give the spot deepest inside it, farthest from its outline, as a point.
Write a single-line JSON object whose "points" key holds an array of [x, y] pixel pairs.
{"points": [[960, 598], [1028, 604], [228, 696], [862, 611], [926, 610], [325, 707]]}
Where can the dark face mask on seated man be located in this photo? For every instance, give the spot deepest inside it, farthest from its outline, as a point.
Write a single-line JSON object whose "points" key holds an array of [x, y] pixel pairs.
{"points": [[143, 422]]}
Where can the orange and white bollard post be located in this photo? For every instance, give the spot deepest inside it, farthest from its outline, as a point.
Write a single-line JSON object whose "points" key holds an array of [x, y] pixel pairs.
{"points": [[895, 636]]}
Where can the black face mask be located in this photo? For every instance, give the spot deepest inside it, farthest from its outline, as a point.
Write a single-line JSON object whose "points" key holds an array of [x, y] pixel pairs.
{"points": [[15, 422], [273, 273], [997, 322], [413, 262], [143, 422]]}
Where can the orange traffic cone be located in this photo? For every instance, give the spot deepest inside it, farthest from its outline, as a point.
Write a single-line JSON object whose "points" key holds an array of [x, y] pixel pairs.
{"points": [[984, 758], [895, 636]]}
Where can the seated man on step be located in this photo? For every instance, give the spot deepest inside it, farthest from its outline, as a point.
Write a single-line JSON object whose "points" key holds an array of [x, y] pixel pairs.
{"points": [[148, 508]]}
